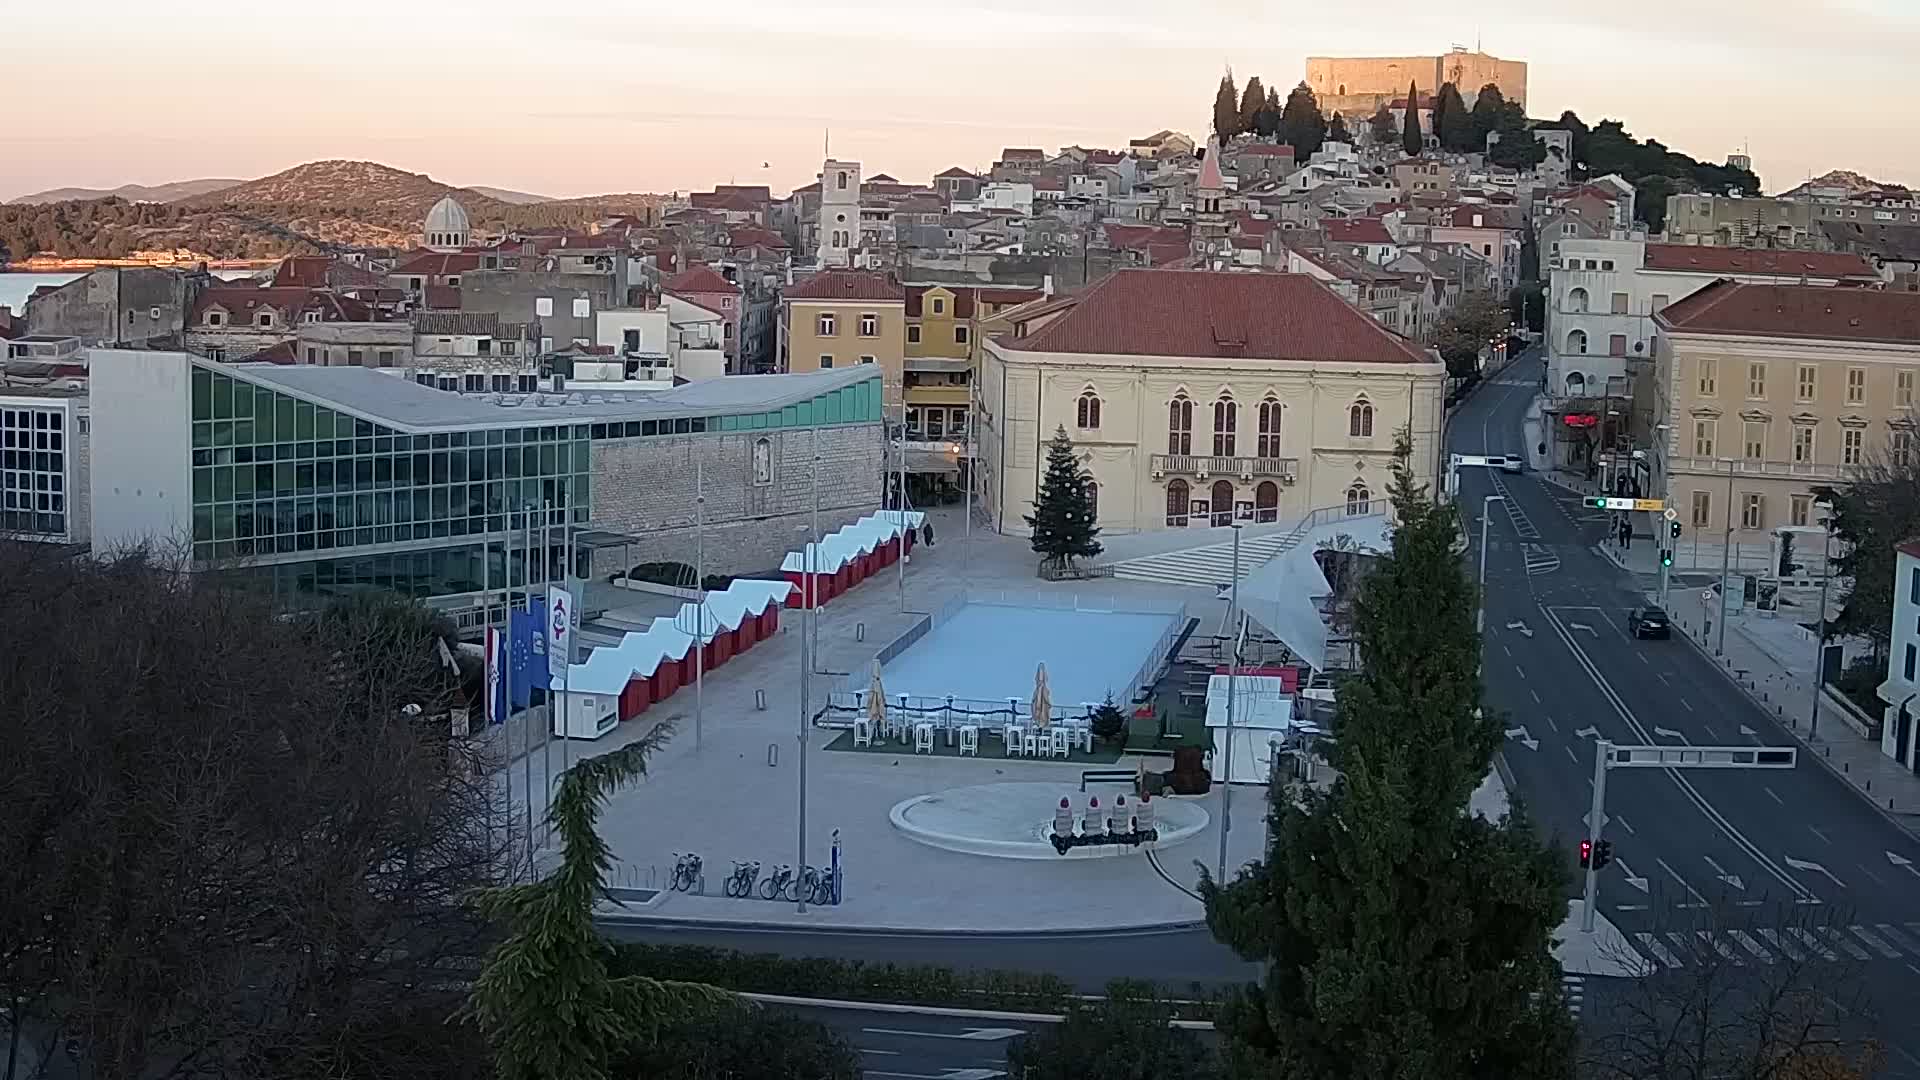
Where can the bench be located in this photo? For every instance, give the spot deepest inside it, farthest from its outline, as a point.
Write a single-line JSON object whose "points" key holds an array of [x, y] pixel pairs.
{"points": [[1127, 775]]}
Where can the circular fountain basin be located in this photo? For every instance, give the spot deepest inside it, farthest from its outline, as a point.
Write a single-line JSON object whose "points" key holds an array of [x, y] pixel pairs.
{"points": [[1015, 821]]}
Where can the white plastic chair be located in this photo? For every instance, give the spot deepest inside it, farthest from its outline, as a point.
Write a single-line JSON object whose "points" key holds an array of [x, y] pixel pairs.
{"points": [[1057, 737], [1083, 737], [1030, 742], [863, 732], [1011, 735], [923, 738], [969, 740]]}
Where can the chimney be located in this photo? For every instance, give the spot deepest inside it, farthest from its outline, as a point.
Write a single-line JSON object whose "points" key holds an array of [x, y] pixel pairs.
{"points": [[1046, 287]]}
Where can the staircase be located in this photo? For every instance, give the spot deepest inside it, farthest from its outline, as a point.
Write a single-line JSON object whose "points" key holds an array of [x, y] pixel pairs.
{"points": [[1212, 564]]}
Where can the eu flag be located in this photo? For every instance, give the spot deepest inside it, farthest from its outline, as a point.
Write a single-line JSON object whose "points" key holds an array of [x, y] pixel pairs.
{"points": [[529, 654]]}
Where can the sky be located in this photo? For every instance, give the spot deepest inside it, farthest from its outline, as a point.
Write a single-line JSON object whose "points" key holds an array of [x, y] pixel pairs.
{"points": [[597, 96]]}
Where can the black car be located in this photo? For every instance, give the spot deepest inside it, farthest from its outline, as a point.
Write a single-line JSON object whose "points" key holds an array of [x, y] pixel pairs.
{"points": [[1649, 622]]}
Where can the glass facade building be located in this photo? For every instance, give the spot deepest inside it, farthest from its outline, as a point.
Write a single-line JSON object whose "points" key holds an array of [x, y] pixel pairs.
{"points": [[33, 470], [315, 501]]}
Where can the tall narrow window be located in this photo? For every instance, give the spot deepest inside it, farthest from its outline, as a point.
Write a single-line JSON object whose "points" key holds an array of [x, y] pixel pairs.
{"points": [[1577, 342], [825, 326], [1702, 509], [1903, 388], [1852, 446], [1756, 448], [1177, 503], [1269, 442], [1709, 376], [1856, 385], [1806, 381], [1703, 438], [1360, 420], [1359, 499], [1180, 425], [1086, 413], [1803, 444], [869, 325], [1757, 381], [1753, 510], [1226, 423]]}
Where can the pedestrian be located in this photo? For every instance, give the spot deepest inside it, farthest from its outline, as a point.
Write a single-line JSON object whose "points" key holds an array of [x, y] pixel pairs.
{"points": [[1626, 533], [926, 533]]}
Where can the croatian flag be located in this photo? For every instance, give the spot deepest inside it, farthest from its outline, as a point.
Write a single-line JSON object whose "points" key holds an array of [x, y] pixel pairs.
{"points": [[496, 685]]}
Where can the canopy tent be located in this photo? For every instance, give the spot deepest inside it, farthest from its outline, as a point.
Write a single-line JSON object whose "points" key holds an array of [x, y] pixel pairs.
{"points": [[844, 557], [1281, 593], [1262, 713]]}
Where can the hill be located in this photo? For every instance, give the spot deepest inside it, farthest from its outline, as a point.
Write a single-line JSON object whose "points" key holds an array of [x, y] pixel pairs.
{"points": [[320, 206], [1853, 183], [505, 195], [157, 193]]}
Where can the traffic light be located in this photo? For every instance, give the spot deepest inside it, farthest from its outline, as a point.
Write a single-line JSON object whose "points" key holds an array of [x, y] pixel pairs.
{"points": [[1603, 855], [1586, 853], [1594, 502], [1666, 557], [1673, 529]]}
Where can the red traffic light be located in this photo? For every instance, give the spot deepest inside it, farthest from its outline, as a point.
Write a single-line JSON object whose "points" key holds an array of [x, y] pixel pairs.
{"points": [[1586, 853]]}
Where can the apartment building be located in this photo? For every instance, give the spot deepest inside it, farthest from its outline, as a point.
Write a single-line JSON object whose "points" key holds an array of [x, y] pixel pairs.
{"points": [[841, 318]]}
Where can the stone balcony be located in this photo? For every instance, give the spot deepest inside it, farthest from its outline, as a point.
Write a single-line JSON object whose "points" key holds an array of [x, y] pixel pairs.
{"points": [[1207, 466], [1819, 471]]}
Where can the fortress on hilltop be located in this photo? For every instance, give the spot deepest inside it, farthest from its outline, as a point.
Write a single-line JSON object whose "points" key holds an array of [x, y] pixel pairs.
{"points": [[1356, 86]]}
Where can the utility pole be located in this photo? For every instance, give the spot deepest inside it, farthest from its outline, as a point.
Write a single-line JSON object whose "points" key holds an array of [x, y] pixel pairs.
{"points": [[1596, 818], [700, 585], [1233, 672], [1820, 649], [902, 576], [1726, 557], [813, 616], [1480, 611], [806, 689]]}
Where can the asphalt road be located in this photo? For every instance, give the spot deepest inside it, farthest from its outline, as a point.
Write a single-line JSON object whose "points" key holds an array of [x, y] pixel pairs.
{"points": [[909, 1046], [1775, 862]]}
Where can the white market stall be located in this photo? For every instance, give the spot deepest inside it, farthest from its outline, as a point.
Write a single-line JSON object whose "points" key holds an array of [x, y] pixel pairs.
{"points": [[1262, 715]]}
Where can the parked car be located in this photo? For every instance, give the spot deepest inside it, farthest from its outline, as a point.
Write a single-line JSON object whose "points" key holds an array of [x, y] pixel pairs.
{"points": [[1649, 622]]}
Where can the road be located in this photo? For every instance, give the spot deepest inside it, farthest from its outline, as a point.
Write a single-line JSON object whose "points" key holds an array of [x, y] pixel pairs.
{"points": [[1789, 862], [908, 1046]]}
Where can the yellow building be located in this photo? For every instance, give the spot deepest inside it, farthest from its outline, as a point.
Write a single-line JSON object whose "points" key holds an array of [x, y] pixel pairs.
{"points": [[840, 318], [1761, 392], [945, 327]]}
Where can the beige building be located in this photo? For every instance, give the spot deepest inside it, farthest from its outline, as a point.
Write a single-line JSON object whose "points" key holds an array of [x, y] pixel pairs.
{"points": [[1724, 221], [1198, 398], [1357, 85], [841, 318], [1769, 390]]}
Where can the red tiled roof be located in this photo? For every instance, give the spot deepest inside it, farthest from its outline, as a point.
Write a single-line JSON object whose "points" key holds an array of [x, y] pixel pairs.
{"points": [[1266, 150], [241, 301], [1022, 154], [1491, 217], [1909, 547], [1248, 225], [748, 236], [966, 296], [441, 298], [955, 173], [1358, 231], [437, 263], [1204, 313], [724, 200], [285, 352], [1772, 262], [1807, 312], [846, 285], [700, 279], [1104, 157], [1168, 252], [1122, 237]]}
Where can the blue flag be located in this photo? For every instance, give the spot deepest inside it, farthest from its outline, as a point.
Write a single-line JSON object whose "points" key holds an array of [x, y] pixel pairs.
{"points": [[529, 654]]}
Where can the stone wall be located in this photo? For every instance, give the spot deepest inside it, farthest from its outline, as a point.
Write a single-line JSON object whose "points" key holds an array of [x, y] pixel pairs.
{"points": [[646, 487], [115, 306], [1347, 79]]}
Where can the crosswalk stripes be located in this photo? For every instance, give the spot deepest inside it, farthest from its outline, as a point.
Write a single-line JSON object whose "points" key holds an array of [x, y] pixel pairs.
{"points": [[1766, 945]]}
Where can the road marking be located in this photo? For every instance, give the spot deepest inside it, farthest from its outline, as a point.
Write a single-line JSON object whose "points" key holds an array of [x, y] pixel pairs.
{"points": [[1845, 942], [945, 1074], [884, 1053], [1521, 670], [970, 1035], [1504, 649], [1770, 793], [1675, 775], [1669, 733], [1675, 874], [1812, 943], [1535, 693], [1878, 946], [1785, 945], [1526, 738], [1821, 835], [1588, 733], [1746, 942], [1682, 945], [1643, 659], [1899, 940], [1651, 944], [1663, 677], [1725, 878], [1871, 876], [1685, 704], [1712, 736], [1812, 867], [1623, 821], [1576, 759], [1550, 723]]}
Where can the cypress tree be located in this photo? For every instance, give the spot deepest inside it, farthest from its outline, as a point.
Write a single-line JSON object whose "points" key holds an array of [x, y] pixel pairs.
{"points": [[1382, 125], [1062, 518], [1301, 125], [1452, 124], [1486, 113], [1252, 100], [1337, 130], [1402, 936], [1411, 139], [1226, 109]]}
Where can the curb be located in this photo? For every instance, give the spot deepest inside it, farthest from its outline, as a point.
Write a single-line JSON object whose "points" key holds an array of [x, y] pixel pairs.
{"points": [[1907, 823], [669, 922], [936, 1010]]}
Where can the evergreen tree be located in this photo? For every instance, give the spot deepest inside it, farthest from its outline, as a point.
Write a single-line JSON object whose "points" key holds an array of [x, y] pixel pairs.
{"points": [[1226, 109], [1267, 121], [1452, 124], [1337, 130], [544, 997], [1062, 519], [1252, 100], [1486, 113], [1382, 125], [1301, 124], [1517, 148], [1411, 139], [1402, 937]]}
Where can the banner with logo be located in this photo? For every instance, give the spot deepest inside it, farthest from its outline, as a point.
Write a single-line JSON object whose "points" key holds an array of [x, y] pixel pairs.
{"points": [[559, 630]]}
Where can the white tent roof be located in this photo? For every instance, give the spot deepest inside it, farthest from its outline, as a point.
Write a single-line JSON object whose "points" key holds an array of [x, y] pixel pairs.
{"points": [[640, 653], [1260, 701], [1280, 593], [845, 544]]}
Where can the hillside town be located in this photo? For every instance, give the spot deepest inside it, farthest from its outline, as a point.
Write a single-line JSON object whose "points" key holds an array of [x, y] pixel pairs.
{"points": [[1246, 359]]}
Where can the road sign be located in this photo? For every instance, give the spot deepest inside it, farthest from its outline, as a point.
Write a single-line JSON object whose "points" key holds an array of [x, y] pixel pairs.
{"points": [[1670, 514], [1599, 502]]}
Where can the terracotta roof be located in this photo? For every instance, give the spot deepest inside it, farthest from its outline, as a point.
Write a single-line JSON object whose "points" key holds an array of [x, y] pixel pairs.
{"points": [[1210, 178], [956, 173], [1357, 231], [1491, 217], [1266, 150], [846, 285], [441, 298], [283, 352], [758, 192], [700, 279], [475, 323], [437, 263], [1248, 225], [1205, 313], [1769, 261], [965, 297], [1105, 157], [748, 236], [1909, 547], [1807, 312], [1022, 154], [724, 200], [1123, 237], [241, 301]]}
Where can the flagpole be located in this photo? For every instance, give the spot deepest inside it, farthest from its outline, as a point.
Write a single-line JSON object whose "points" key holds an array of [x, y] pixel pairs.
{"points": [[546, 736], [700, 585], [526, 722], [566, 679], [489, 672]]}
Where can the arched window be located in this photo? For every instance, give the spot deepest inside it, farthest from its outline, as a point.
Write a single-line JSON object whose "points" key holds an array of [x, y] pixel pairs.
{"points": [[1576, 383], [1577, 300], [1577, 342], [1266, 501], [1086, 413], [1177, 503], [1359, 499], [1269, 446], [1180, 425], [1360, 419], [1226, 421], [1222, 503], [843, 181]]}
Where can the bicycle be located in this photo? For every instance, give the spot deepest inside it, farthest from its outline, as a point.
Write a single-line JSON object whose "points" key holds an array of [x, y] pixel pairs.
{"points": [[686, 871], [815, 885], [775, 887], [740, 882]]}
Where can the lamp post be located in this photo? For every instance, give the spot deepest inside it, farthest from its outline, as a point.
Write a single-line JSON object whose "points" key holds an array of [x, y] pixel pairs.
{"points": [[1480, 612], [811, 594], [1726, 563], [1233, 670], [1820, 613]]}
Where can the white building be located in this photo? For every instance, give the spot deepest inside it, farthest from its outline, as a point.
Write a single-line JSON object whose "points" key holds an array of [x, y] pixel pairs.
{"points": [[1897, 739], [447, 227], [839, 226]]}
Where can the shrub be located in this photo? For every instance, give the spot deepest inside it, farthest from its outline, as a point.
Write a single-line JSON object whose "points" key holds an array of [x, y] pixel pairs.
{"points": [[848, 980], [1126, 1035], [1110, 724]]}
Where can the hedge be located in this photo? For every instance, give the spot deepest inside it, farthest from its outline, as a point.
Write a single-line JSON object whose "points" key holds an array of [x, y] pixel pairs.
{"points": [[857, 980]]}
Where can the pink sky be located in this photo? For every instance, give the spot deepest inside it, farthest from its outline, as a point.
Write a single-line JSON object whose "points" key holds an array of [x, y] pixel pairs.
{"points": [[644, 95]]}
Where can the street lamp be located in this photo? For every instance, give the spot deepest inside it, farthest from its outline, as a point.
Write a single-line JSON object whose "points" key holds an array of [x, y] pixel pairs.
{"points": [[1233, 672], [811, 597], [1820, 648], [1486, 514]]}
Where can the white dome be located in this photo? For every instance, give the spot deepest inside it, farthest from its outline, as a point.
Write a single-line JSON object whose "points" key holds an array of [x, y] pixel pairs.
{"points": [[447, 216]]}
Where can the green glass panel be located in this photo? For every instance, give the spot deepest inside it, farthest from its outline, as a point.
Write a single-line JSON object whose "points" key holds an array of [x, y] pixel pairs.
{"points": [[242, 399], [223, 522], [243, 477], [202, 524], [790, 416], [222, 397], [582, 456], [302, 420], [263, 400], [243, 433], [202, 433], [202, 485], [223, 483], [284, 409], [202, 394]]}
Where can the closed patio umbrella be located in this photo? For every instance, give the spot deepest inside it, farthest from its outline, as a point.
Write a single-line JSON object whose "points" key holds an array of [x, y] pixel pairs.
{"points": [[877, 700], [1042, 699]]}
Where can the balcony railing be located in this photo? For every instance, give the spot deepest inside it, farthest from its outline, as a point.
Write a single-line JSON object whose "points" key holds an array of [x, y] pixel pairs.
{"points": [[1247, 468], [1770, 470]]}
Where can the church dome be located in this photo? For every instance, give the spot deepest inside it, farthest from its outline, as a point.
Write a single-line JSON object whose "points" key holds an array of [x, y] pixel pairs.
{"points": [[447, 225]]}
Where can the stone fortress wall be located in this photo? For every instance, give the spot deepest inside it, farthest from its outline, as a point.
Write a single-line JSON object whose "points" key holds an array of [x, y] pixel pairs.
{"points": [[1356, 86]]}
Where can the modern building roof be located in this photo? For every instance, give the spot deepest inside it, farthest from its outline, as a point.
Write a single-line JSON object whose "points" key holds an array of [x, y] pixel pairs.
{"points": [[847, 285], [1221, 314], [1773, 262], [1804, 312], [401, 403]]}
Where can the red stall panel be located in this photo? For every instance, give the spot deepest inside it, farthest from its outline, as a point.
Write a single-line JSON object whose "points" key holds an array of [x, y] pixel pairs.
{"points": [[799, 582]]}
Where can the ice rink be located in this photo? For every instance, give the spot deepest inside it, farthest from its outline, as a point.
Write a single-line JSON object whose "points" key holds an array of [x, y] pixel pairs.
{"points": [[988, 652]]}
